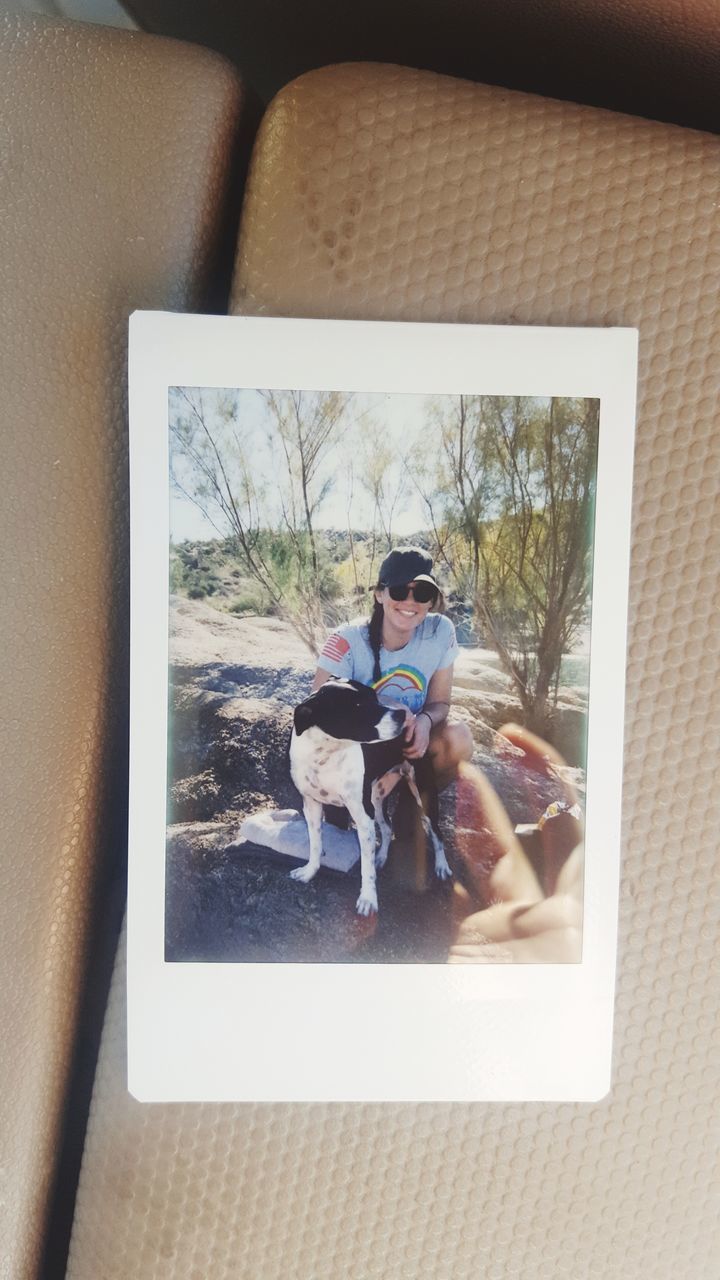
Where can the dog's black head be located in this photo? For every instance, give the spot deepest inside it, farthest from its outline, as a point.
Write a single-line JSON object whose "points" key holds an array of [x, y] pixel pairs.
{"points": [[348, 709]]}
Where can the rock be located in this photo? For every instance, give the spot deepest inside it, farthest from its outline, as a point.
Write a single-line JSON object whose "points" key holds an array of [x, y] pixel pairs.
{"points": [[241, 743], [569, 732], [194, 799], [229, 902]]}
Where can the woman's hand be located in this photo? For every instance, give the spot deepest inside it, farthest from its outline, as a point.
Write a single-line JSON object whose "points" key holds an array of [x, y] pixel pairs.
{"points": [[417, 735], [516, 921]]}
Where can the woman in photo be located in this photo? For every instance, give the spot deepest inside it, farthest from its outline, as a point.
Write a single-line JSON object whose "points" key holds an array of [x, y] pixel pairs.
{"points": [[406, 651]]}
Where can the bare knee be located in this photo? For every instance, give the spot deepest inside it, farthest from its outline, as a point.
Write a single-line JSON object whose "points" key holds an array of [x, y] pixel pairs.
{"points": [[450, 744], [455, 743], [462, 740]]}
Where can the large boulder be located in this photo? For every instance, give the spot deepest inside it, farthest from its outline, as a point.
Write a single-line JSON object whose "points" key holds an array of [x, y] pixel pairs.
{"points": [[484, 698], [228, 754]]}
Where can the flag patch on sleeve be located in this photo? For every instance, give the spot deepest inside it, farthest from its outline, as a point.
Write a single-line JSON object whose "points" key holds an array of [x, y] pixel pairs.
{"points": [[335, 648]]}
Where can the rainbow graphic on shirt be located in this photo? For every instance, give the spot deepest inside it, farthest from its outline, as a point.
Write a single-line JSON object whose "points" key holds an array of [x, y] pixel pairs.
{"points": [[403, 684]]}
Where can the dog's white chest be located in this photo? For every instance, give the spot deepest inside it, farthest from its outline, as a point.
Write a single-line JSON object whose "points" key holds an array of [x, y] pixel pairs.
{"points": [[325, 768]]}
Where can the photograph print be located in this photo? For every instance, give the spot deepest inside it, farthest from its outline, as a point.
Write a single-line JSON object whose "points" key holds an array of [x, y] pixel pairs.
{"points": [[379, 649]]}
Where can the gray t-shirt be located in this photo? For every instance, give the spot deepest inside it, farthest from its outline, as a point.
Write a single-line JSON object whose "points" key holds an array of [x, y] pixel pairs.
{"points": [[405, 673]]}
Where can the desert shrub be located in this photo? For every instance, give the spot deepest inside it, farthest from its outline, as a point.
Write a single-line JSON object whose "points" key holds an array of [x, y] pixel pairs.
{"points": [[255, 602], [329, 588], [177, 576]]}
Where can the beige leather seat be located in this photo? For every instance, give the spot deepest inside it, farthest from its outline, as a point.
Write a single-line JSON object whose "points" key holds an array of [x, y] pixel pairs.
{"points": [[114, 194], [379, 192]]}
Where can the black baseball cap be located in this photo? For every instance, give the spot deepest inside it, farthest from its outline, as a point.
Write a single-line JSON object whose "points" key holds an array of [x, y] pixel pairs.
{"points": [[406, 564]]}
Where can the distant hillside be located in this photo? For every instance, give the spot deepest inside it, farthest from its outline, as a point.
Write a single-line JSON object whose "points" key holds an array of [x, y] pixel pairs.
{"points": [[212, 571]]}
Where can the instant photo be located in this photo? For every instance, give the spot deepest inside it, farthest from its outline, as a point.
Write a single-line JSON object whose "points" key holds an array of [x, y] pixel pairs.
{"points": [[285, 506], [379, 609]]}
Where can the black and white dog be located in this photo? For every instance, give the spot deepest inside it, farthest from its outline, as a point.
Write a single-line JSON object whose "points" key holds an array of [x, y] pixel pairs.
{"points": [[347, 749]]}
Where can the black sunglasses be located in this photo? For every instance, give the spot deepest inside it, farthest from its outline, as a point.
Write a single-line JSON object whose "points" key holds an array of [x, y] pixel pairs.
{"points": [[422, 592]]}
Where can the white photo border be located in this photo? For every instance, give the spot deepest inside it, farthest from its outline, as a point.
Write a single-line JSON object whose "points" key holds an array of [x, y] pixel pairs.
{"points": [[372, 1032]]}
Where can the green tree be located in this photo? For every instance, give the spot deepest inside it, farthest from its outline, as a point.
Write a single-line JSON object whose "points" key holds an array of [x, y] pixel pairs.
{"points": [[305, 424], [268, 521], [516, 494]]}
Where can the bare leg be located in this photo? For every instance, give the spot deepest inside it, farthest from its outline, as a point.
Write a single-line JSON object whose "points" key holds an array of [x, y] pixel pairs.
{"points": [[449, 744], [313, 816]]}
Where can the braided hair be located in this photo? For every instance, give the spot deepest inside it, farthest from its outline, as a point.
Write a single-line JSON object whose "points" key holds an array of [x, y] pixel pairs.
{"points": [[375, 625]]}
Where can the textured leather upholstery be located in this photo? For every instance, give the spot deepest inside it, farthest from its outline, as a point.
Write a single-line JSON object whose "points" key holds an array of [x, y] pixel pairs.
{"points": [[656, 58], [377, 192], [115, 151]]}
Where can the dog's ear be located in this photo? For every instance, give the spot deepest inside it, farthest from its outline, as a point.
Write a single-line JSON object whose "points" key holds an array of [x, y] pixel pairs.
{"points": [[303, 718]]}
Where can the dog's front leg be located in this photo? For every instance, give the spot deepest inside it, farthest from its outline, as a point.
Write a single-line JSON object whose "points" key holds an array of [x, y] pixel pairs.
{"points": [[367, 903], [313, 816], [381, 789]]}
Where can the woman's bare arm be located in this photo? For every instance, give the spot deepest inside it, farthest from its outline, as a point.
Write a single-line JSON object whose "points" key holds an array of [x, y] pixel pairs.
{"points": [[437, 703]]}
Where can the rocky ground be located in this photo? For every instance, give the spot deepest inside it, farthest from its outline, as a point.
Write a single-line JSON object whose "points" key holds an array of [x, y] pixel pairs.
{"points": [[234, 682]]}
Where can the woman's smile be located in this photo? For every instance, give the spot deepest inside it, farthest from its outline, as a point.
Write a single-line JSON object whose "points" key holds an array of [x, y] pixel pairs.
{"points": [[402, 612], [402, 617]]}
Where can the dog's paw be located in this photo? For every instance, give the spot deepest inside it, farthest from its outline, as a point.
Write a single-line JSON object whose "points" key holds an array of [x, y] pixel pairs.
{"points": [[367, 904], [442, 868], [303, 873]]}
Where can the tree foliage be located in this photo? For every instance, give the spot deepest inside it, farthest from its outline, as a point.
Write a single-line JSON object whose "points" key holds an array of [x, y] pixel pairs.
{"points": [[269, 521], [516, 494]]}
